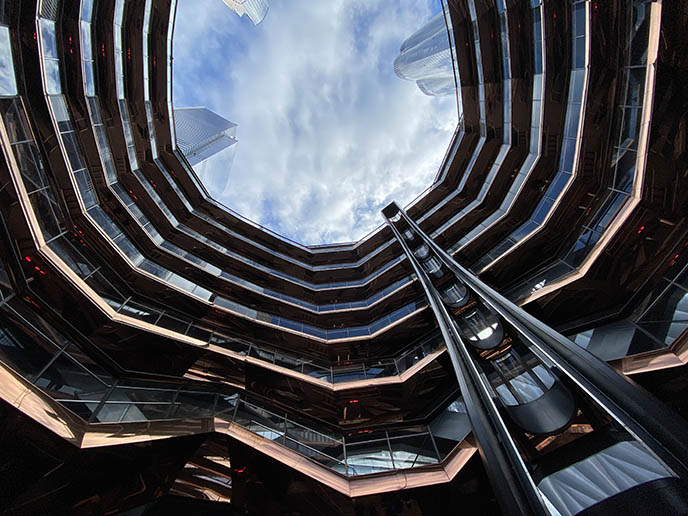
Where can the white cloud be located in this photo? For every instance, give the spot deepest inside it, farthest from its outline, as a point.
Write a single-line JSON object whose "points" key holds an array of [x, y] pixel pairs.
{"points": [[328, 135]]}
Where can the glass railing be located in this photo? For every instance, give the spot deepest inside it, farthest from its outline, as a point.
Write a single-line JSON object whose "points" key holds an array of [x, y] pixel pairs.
{"points": [[142, 309], [57, 366], [623, 162], [659, 318], [117, 296], [367, 451], [346, 371], [255, 244], [136, 212], [570, 153], [88, 76], [504, 149], [209, 220], [136, 258], [71, 247], [536, 132], [542, 407]]}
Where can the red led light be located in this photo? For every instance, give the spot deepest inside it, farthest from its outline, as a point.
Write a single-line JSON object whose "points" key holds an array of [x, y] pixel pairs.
{"points": [[27, 298], [27, 258], [642, 228], [353, 401]]}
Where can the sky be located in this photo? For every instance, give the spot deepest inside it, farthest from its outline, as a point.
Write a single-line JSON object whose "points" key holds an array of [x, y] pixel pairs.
{"points": [[328, 134]]}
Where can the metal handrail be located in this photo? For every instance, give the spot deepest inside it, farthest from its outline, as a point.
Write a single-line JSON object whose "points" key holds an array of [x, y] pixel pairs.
{"points": [[645, 417], [509, 475]]}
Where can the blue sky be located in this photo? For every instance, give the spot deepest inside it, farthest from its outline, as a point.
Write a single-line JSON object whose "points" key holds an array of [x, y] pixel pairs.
{"points": [[328, 134]]}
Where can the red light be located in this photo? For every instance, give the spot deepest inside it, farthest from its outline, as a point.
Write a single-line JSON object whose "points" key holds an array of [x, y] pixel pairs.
{"points": [[240, 470], [555, 16], [27, 258], [595, 6], [34, 36], [642, 228], [102, 49], [353, 401], [27, 298]]}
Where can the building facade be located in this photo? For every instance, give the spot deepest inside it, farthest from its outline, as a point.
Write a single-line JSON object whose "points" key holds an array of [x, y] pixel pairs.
{"points": [[201, 134], [163, 355], [254, 9], [426, 57]]}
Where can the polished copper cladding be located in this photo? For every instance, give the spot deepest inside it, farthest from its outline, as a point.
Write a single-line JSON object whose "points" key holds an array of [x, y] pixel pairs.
{"points": [[158, 350]]}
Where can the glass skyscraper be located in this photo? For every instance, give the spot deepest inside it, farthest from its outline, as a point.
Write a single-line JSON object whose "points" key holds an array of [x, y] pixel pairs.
{"points": [[512, 342], [202, 134], [254, 9], [425, 57]]}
